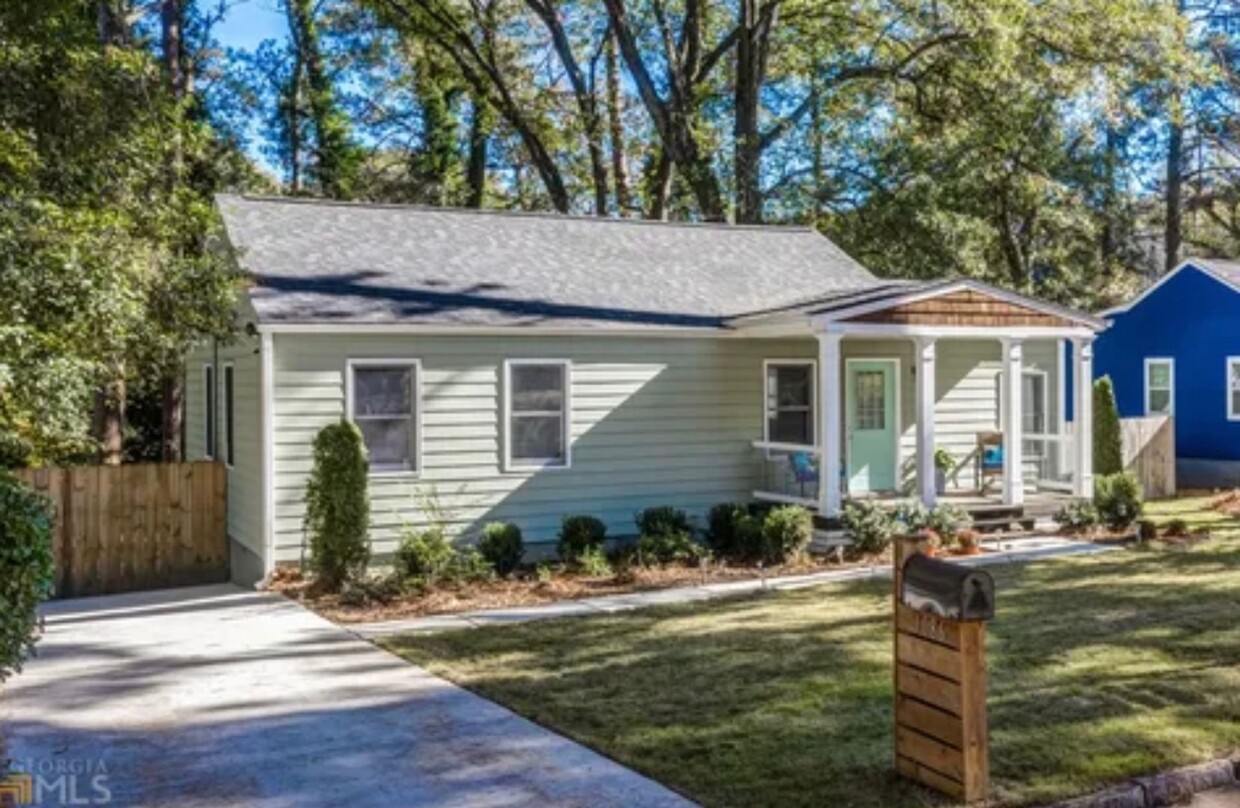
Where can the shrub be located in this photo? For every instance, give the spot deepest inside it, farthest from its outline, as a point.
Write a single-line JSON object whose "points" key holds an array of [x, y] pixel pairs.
{"points": [[1077, 516], [593, 562], [948, 521], [369, 590], [786, 533], [1176, 528], [424, 554], [910, 517], [943, 460], [25, 569], [579, 534], [468, 565], [338, 506], [663, 520], [869, 526], [1118, 499], [502, 545], [1108, 445], [666, 548], [728, 527], [1147, 531]]}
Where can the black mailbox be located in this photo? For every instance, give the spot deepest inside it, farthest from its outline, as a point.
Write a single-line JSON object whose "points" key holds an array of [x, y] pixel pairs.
{"points": [[947, 590]]}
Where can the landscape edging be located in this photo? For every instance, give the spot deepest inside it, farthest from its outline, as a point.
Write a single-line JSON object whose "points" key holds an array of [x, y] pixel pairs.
{"points": [[1161, 790]]}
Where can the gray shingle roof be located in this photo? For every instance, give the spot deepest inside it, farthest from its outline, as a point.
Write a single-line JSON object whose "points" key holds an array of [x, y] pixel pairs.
{"points": [[329, 262], [1227, 270]]}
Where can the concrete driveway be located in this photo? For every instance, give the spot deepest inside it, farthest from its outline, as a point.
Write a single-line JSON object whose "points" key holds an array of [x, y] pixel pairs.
{"points": [[218, 696]]}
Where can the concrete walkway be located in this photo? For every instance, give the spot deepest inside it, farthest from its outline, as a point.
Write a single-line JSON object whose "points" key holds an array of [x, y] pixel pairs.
{"points": [[1006, 552], [220, 697]]}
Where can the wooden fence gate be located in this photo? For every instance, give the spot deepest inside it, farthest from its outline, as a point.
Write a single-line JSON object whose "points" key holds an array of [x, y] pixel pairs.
{"points": [[1149, 453], [134, 527]]}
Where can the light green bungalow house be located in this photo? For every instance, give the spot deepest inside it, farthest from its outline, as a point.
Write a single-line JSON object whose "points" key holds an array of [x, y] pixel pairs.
{"points": [[522, 367]]}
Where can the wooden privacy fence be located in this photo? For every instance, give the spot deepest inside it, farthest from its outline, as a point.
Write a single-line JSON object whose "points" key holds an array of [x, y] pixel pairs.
{"points": [[133, 527], [1149, 453]]}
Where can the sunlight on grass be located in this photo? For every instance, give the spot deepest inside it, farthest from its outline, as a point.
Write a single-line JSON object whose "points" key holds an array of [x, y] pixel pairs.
{"points": [[1101, 668]]}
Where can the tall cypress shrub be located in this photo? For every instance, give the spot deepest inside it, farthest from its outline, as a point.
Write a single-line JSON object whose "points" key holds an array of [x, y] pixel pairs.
{"points": [[338, 506], [1108, 447]]}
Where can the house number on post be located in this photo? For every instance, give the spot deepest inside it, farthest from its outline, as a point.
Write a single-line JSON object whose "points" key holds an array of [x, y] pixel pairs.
{"points": [[941, 733]]}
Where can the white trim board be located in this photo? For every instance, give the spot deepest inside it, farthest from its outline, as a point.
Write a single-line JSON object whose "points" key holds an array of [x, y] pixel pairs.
{"points": [[953, 331], [1231, 360], [1156, 285]]}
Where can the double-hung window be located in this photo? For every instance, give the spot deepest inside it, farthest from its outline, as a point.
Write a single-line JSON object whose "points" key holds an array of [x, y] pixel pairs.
{"points": [[1159, 385], [208, 409], [789, 401], [537, 406], [1233, 388], [383, 401]]}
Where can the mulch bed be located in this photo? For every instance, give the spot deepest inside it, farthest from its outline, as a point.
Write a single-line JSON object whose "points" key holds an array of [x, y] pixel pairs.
{"points": [[524, 589]]}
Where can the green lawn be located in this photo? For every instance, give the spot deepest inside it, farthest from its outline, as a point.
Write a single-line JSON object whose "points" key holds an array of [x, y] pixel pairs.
{"points": [[1101, 668]]}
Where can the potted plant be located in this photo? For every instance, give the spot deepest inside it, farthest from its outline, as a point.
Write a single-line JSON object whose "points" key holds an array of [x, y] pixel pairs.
{"points": [[943, 463], [970, 542], [929, 542]]}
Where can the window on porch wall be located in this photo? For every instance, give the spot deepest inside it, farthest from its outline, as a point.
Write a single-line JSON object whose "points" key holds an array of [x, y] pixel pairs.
{"points": [[790, 403]]}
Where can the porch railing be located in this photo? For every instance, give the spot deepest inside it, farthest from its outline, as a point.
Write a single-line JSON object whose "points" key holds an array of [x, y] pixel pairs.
{"points": [[1048, 461], [789, 473]]}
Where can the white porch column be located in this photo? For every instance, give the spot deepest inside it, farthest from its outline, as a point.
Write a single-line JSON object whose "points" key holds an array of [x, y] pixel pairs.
{"points": [[925, 381], [1013, 418], [830, 404], [1083, 417]]}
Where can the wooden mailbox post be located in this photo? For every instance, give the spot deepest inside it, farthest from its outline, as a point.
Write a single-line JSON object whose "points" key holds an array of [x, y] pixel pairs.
{"points": [[940, 696]]}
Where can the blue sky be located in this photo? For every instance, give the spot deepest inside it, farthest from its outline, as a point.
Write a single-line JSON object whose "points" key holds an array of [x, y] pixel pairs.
{"points": [[249, 22]]}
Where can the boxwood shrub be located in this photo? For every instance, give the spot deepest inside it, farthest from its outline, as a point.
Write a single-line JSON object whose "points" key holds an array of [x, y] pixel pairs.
{"points": [[501, 545], [579, 534]]}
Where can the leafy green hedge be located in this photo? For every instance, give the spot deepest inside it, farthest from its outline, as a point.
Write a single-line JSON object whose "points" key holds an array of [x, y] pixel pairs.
{"points": [[1108, 446], [26, 569]]}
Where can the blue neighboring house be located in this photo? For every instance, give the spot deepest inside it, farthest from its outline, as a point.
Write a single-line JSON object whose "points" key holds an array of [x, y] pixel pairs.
{"points": [[1175, 350]]}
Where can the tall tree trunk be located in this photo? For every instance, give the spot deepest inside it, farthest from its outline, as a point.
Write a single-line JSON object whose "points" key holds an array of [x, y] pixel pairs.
{"points": [[615, 119], [332, 147], [676, 118], [173, 394], [480, 125], [1174, 233], [746, 137], [583, 92], [659, 187], [109, 419], [112, 19], [173, 422]]}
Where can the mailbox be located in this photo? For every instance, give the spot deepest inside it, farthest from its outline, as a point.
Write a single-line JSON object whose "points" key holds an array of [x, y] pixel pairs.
{"points": [[947, 590]]}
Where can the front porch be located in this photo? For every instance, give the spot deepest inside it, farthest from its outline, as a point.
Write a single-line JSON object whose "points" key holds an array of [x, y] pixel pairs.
{"points": [[956, 393]]}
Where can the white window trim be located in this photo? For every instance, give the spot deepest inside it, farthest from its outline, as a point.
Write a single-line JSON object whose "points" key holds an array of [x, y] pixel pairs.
{"points": [[394, 362], [1231, 415], [767, 364], [1145, 389], [210, 390], [567, 420], [227, 418]]}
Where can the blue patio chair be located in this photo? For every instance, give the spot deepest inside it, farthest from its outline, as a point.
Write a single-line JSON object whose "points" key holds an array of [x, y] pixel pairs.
{"points": [[989, 458], [804, 470]]}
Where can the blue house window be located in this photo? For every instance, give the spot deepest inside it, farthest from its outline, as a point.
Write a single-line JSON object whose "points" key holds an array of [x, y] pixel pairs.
{"points": [[1159, 385]]}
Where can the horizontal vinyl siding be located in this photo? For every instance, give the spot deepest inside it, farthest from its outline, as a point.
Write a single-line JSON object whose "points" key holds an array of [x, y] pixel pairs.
{"points": [[245, 487], [654, 421]]}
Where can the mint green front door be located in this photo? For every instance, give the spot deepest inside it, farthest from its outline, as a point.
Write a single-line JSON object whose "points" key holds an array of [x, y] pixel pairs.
{"points": [[870, 424]]}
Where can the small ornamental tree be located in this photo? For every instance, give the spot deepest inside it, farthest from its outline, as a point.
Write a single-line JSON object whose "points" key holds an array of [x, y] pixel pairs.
{"points": [[25, 569], [338, 506], [1108, 448]]}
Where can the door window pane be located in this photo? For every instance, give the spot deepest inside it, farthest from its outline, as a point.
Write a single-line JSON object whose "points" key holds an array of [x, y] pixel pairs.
{"points": [[1033, 404], [790, 404], [384, 410], [870, 400]]}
